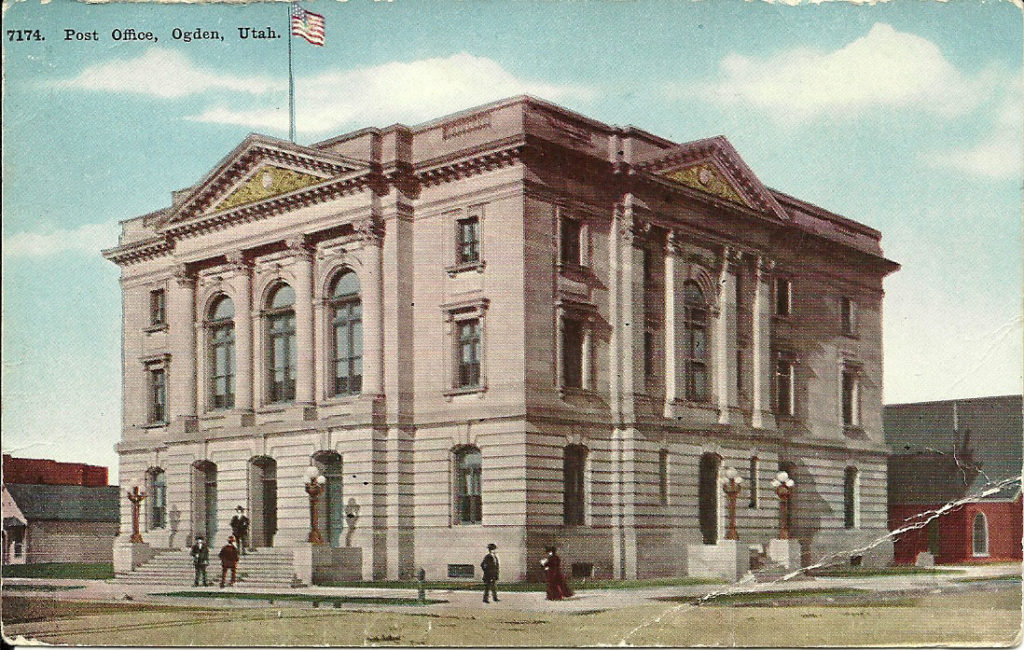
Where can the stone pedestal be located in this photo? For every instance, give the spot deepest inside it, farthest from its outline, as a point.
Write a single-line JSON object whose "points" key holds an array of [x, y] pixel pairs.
{"points": [[728, 559], [317, 563], [785, 553], [128, 556], [925, 559]]}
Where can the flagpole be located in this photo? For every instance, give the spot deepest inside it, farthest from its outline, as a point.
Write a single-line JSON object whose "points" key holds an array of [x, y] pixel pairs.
{"points": [[291, 79]]}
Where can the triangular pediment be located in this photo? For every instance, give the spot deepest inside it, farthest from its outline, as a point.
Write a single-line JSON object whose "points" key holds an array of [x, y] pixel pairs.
{"points": [[713, 166], [258, 169]]}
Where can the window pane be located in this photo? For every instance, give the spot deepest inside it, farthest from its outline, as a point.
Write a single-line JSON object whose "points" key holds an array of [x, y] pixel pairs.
{"points": [[572, 353], [283, 296]]}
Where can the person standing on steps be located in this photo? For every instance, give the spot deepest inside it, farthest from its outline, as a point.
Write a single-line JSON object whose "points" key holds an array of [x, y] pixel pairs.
{"points": [[228, 560], [240, 529], [200, 558], [490, 567]]}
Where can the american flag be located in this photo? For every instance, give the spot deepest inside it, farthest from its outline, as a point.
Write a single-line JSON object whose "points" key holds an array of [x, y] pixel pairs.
{"points": [[308, 25]]}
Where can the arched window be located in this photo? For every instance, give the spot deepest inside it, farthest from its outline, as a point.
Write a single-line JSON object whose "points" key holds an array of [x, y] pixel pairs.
{"points": [[221, 353], [851, 498], [695, 325], [157, 490], [281, 353], [468, 498], [980, 534], [574, 464], [346, 311]]}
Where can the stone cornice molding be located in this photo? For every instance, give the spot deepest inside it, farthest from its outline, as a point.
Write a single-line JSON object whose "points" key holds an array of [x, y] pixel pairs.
{"points": [[464, 167], [139, 251]]}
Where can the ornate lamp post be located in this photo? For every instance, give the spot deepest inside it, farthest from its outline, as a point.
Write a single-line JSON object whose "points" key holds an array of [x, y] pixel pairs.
{"points": [[314, 488], [732, 486], [135, 496], [784, 489]]}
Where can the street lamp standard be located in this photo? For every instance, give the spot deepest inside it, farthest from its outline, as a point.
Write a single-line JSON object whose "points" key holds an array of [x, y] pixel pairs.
{"points": [[732, 486], [783, 485], [314, 488], [135, 496]]}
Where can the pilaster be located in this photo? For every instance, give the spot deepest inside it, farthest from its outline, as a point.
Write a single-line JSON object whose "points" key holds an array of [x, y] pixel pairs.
{"points": [[181, 380], [725, 338], [675, 362], [304, 382], [243, 333], [762, 416]]}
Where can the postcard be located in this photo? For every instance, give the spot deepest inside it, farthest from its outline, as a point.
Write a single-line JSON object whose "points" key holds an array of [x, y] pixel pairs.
{"points": [[479, 323]]}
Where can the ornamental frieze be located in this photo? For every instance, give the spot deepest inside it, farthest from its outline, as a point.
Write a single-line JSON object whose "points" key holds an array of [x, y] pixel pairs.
{"points": [[268, 181], [707, 178]]}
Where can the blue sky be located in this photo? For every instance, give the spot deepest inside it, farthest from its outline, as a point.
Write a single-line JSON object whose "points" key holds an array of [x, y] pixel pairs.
{"points": [[905, 116]]}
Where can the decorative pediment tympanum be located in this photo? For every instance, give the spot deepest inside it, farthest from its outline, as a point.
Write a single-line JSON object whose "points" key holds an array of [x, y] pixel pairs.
{"points": [[714, 166], [265, 182], [707, 177], [258, 169]]}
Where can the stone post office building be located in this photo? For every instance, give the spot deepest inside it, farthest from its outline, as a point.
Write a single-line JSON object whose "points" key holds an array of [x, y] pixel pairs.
{"points": [[514, 324]]}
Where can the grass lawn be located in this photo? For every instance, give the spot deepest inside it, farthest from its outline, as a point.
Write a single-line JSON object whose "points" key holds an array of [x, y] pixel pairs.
{"points": [[580, 585], [34, 587], [736, 598], [874, 572], [80, 570], [310, 598]]}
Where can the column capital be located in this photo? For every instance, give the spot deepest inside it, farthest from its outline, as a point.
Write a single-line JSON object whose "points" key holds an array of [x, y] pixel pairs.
{"points": [[184, 277], [299, 247], [370, 230], [674, 243], [765, 265], [238, 261]]}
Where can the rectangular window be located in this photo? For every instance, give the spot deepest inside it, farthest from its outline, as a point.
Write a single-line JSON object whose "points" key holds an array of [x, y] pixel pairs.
{"points": [[157, 396], [785, 403], [650, 367], [573, 468], [572, 353], [469, 353], [739, 372], [783, 297], [460, 570], [157, 308], [851, 487], [663, 477], [468, 240], [570, 247], [849, 315], [851, 398], [754, 482]]}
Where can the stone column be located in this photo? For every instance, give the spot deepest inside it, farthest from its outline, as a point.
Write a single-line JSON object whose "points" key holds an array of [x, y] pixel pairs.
{"points": [[675, 361], [725, 337], [371, 232], [762, 417], [243, 333], [181, 379], [303, 320]]}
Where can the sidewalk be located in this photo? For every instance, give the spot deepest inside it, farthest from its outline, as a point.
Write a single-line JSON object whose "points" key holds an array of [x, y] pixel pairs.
{"points": [[585, 600]]}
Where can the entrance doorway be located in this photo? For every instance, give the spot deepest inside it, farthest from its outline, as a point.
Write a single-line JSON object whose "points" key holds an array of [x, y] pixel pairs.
{"points": [[204, 500], [707, 494], [331, 505], [263, 500]]}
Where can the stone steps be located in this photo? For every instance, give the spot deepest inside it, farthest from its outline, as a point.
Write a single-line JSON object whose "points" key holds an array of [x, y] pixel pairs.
{"points": [[264, 568]]}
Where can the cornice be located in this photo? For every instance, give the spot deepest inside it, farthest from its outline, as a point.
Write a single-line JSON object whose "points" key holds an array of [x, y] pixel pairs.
{"points": [[496, 155], [139, 251]]}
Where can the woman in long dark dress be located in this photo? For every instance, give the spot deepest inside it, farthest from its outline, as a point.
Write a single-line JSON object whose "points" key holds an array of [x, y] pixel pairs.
{"points": [[556, 586]]}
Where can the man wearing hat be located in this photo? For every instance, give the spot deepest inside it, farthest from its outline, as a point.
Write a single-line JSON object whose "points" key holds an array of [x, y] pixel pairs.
{"points": [[240, 529], [228, 561], [200, 558], [490, 567]]}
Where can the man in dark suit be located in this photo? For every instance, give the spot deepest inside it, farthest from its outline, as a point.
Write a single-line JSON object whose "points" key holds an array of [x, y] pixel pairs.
{"points": [[200, 558], [240, 529], [228, 561], [490, 567]]}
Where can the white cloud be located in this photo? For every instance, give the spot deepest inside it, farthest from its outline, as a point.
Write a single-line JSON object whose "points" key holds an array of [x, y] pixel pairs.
{"points": [[89, 239], [1001, 155], [160, 72], [408, 92], [884, 69]]}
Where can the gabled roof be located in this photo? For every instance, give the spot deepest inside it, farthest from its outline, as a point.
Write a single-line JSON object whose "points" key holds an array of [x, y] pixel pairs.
{"points": [[989, 431], [12, 514], [713, 165], [233, 181], [66, 502]]}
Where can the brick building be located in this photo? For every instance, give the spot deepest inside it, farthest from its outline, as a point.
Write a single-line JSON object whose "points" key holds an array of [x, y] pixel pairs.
{"points": [[57, 512], [515, 325], [947, 451]]}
